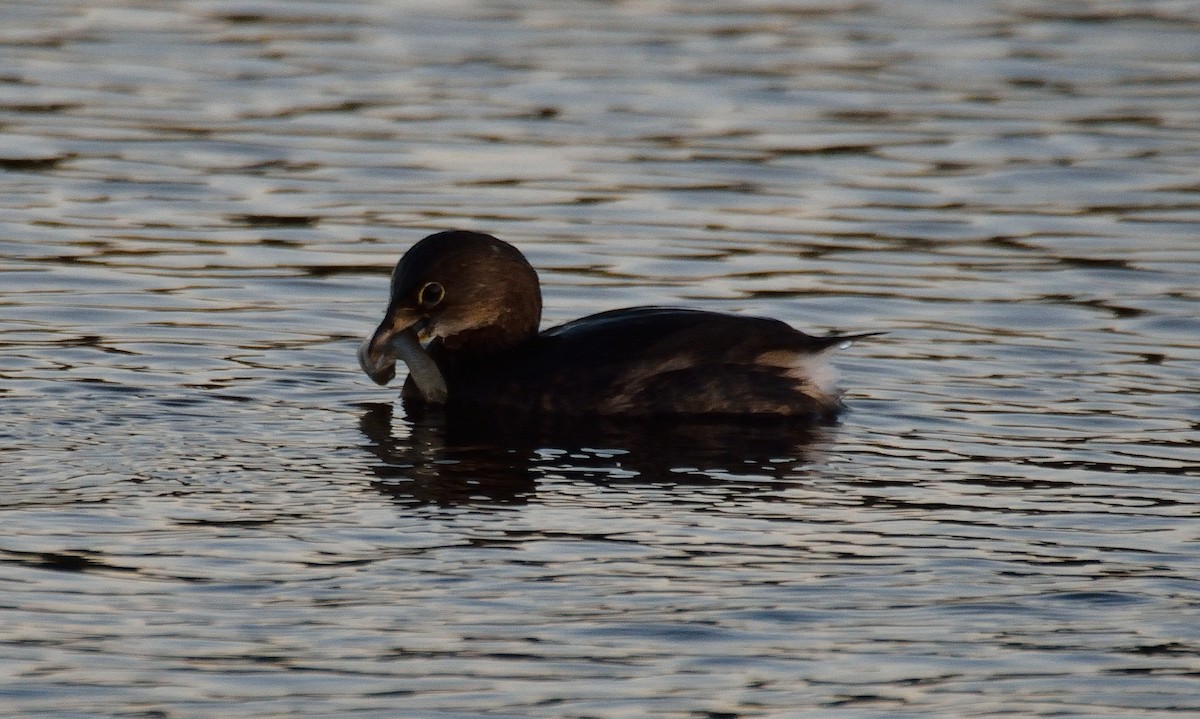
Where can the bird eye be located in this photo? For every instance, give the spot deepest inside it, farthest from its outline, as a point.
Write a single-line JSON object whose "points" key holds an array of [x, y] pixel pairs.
{"points": [[431, 294]]}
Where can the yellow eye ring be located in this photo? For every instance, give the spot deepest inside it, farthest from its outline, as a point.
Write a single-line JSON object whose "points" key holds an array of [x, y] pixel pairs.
{"points": [[431, 294]]}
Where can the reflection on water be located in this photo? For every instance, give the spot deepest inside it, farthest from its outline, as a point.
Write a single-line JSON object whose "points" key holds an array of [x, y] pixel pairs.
{"points": [[427, 464], [431, 460], [208, 511]]}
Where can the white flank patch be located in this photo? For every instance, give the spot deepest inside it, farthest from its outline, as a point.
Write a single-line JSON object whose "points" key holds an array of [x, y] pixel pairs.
{"points": [[814, 374]]}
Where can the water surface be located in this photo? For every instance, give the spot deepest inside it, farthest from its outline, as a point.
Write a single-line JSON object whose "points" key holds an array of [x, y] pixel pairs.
{"points": [[208, 510]]}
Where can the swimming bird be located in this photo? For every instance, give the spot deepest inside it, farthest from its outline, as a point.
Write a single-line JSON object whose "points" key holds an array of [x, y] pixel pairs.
{"points": [[464, 314]]}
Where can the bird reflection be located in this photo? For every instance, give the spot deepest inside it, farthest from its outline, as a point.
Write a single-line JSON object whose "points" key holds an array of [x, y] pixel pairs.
{"points": [[422, 462], [428, 458]]}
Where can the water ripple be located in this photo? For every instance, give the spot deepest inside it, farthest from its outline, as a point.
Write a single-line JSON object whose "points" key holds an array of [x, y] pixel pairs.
{"points": [[208, 511]]}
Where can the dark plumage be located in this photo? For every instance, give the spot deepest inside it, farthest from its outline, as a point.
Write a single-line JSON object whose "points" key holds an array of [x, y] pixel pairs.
{"points": [[477, 302]]}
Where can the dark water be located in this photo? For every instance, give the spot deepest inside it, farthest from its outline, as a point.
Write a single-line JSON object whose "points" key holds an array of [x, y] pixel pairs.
{"points": [[208, 511]]}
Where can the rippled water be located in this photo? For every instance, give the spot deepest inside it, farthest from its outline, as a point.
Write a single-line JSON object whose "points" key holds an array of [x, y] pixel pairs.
{"points": [[209, 511]]}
